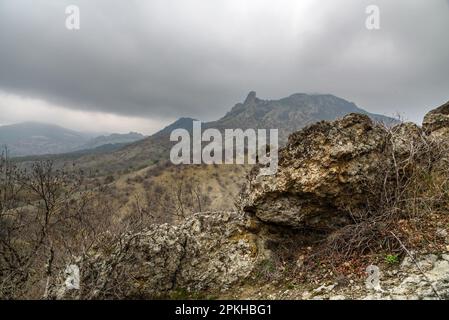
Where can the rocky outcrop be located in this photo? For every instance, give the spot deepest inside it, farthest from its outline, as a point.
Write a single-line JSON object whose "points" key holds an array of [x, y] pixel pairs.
{"points": [[326, 171], [208, 251], [436, 122], [436, 127], [332, 170]]}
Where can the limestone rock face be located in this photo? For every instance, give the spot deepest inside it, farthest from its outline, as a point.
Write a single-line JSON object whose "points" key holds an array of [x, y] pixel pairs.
{"points": [[436, 122], [207, 251], [432, 283], [405, 138], [326, 170], [436, 128]]}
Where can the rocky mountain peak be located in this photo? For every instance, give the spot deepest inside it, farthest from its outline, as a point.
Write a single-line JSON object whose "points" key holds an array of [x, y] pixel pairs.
{"points": [[251, 98]]}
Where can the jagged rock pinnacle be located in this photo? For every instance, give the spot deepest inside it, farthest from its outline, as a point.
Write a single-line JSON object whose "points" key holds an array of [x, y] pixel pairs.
{"points": [[250, 98]]}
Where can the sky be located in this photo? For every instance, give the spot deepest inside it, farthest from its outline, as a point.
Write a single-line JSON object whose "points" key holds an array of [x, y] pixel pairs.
{"points": [[137, 65]]}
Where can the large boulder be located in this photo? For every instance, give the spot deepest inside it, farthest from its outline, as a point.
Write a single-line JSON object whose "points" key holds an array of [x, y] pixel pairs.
{"points": [[327, 171], [208, 251], [436, 122]]}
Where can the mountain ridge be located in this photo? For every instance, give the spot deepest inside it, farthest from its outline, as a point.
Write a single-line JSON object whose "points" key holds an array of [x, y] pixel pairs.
{"points": [[291, 113], [33, 138], [288, 114]]}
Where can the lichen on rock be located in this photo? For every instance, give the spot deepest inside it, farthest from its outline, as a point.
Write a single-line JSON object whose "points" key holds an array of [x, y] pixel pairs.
{"points": [[436, 122], [208, 251], [326, 170]]}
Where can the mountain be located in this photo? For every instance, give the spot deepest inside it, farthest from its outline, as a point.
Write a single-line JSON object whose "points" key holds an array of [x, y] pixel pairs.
{"points": [[136, 155], [34, 138], [287, 114], [181, 123], [112, 139]]}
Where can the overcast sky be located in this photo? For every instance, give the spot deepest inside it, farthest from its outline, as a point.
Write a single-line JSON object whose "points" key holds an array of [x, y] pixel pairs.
{"points": [[138, 65]]}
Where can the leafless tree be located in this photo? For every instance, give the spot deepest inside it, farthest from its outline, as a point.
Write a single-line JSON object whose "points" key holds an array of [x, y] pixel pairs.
{"points": [[46, 219]]}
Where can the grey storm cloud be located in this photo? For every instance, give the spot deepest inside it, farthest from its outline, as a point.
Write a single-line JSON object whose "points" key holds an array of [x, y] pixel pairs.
{"points": [[167, 58]]}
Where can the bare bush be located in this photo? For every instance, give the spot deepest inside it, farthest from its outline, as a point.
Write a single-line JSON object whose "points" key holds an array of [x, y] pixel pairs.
{"points": [[416, 185]]}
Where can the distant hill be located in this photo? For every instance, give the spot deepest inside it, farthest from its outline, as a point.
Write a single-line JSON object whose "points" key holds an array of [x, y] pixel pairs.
{"points": [[113, 139], [181, 123], [70, 156], [33, 138], [287, 114]]}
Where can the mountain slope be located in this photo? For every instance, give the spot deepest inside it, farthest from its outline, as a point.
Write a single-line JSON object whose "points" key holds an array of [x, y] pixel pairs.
{"points": [[287, 114], [35, 139], [32, 138], [181, 123], [112, 139]]}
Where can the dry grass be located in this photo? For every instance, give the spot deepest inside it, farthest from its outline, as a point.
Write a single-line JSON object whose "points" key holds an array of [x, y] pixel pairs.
{"points": [[169, 191]]}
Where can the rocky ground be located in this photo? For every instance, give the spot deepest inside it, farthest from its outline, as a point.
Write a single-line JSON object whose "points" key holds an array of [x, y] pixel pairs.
{"points": [[424, 278]]}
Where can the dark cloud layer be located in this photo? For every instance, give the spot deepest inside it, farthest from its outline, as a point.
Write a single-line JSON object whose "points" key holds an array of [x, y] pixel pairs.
{"points": [[167, 58]]}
